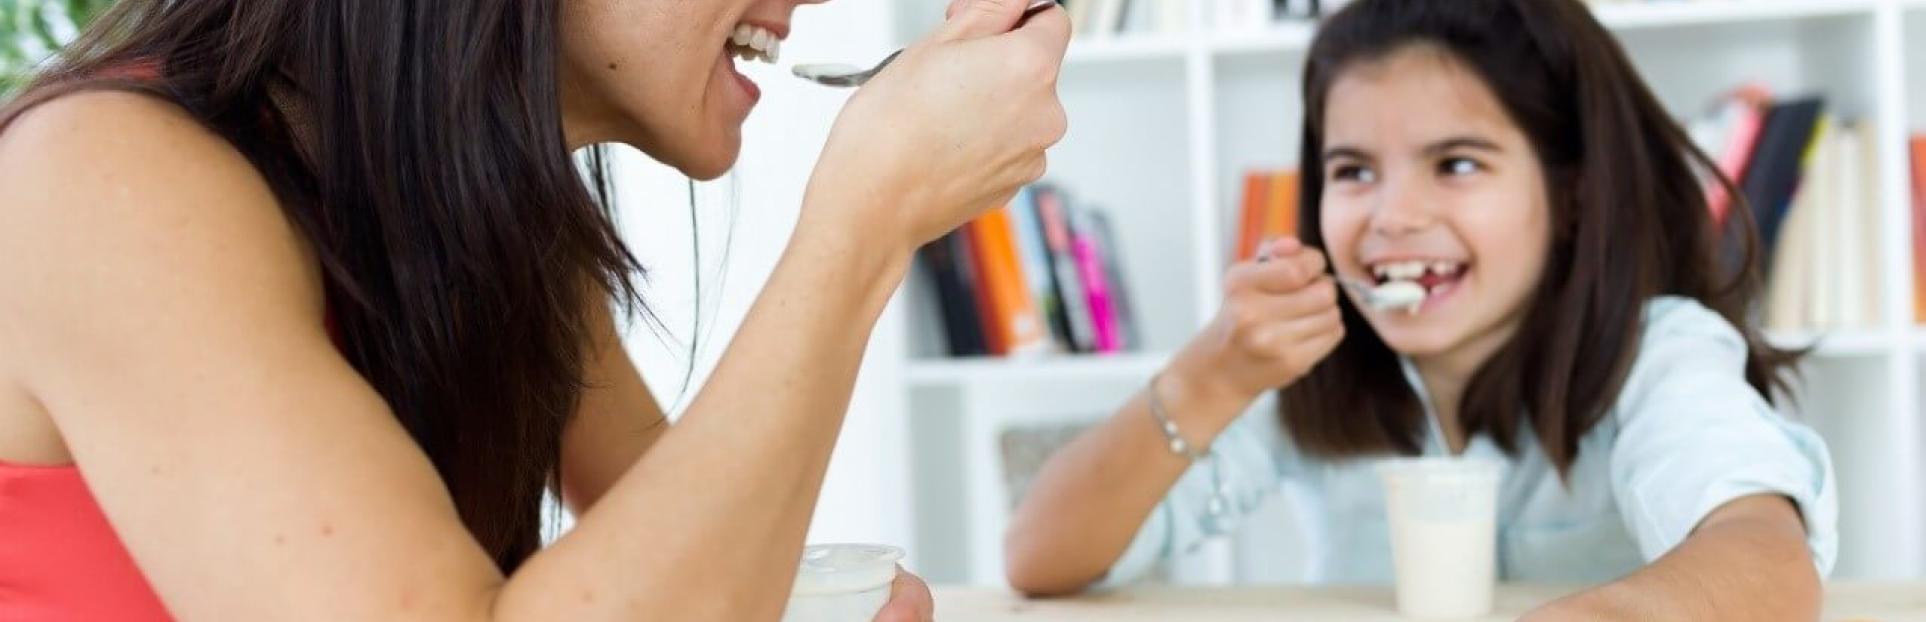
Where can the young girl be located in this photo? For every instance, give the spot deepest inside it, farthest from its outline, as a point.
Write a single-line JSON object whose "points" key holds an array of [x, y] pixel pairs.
{"points": [[1504, 156]]}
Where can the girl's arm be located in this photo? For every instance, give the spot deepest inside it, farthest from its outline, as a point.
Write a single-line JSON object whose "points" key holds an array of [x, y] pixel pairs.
{"points": [[1732, 503], [1093, 496], [1747, 561]]}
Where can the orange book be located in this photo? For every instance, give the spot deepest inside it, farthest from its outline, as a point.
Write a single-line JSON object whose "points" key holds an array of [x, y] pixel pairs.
{"points": [[1250, 226], [986, 316], [1281, 218], [1015, 309], [1918, 150]]}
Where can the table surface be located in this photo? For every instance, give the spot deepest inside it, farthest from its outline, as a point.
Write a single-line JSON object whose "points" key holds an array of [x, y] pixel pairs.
{"points": [[1845, 602]]}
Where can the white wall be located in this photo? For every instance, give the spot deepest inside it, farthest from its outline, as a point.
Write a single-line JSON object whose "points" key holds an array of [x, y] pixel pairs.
{"points": [[749, 217]]}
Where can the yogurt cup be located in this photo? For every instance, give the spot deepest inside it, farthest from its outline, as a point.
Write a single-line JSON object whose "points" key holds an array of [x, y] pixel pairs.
{"points": [[842, 583], [1443, 516]]}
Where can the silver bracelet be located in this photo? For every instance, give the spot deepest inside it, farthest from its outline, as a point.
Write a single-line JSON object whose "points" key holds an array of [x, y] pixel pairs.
{"points": [[1174, 439]]}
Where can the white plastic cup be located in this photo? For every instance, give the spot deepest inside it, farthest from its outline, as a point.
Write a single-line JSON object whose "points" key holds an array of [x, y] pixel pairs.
{"points": [[842, 583], [1443, 515]]}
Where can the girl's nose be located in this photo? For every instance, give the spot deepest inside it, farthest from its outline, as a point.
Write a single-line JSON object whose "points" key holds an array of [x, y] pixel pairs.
{"points": [[1402, 209]]}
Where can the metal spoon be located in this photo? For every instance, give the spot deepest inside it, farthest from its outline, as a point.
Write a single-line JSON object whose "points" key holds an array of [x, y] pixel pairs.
{"points": [[847, 75]]}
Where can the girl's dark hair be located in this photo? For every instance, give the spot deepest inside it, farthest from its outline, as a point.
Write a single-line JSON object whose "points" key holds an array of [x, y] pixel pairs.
{"points": [[1629, 222], [419, 148]]}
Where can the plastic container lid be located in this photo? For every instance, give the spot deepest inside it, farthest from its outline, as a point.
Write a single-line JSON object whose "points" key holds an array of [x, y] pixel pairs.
{"points": [[846, 568]]}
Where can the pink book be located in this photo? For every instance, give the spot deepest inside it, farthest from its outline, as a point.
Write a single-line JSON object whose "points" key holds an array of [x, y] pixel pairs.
{"points": [[1740, 143], [1103, 314]]}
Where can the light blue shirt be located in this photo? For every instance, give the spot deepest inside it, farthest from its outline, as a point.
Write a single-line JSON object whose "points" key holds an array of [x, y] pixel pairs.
{"points": [[1686, 435]]}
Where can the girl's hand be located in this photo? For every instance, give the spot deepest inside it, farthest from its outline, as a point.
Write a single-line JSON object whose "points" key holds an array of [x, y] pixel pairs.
{"points": [[949, 130], [1280, 317], [909, 600]]}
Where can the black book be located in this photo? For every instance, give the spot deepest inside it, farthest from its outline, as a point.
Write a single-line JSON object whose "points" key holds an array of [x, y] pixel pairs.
{"points": [[947, 260], [1773, 174]]}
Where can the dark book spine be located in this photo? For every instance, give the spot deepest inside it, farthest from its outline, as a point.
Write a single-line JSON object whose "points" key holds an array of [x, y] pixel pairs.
{"points": [[964, 337], [969, 306], [1773, 176]]}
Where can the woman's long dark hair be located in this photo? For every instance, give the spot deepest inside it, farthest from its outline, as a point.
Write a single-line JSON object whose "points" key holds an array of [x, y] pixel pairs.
{"points": [[1628, 216], [419, 147]]}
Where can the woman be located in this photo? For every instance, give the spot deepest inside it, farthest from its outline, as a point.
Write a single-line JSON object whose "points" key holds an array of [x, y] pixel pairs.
{"points": [[311, 295]]}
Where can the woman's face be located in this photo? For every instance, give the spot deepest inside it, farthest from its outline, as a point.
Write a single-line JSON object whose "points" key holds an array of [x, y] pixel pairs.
{"points": [[1427, 179], [661, 74]]}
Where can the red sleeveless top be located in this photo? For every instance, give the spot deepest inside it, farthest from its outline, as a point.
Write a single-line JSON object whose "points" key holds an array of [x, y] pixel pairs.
{"points": [[59, 558]]}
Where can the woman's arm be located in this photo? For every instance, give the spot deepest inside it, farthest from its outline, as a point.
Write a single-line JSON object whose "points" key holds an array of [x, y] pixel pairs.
{"points": [[1092, 497], [1748, 561]]}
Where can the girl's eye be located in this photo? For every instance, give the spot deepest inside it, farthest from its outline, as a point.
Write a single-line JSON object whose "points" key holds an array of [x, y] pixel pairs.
{"points": [[1458, 166], [1353, 172]]}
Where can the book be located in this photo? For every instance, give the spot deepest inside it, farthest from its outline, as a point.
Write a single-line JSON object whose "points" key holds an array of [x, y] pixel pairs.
{"points": [[1037, 274], [1280, 219], [1742, 118], [1123, 312], [1080, 20], [1829, 239], [1917, 151], [995, 340], [1857, 167], [1250, 224], [1017, 319], [1096, 283], [1109, 16], [1821, 190], [945, 261], [1773, 174], [1053, 211]]}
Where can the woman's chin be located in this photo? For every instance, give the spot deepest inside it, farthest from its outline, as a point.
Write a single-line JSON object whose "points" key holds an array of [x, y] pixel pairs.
{"points": [[714, 162]]}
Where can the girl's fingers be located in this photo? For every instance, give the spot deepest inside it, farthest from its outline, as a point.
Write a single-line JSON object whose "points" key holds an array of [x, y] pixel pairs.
{"points": [[1282, 274]]}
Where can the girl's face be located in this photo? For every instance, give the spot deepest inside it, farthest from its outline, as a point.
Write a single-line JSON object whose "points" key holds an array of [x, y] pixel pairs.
{"points": [[661, 75], [1427, 179]]}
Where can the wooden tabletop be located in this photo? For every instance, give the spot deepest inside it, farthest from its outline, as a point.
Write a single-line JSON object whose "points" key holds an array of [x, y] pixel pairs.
{"points": [[1845, 602]]}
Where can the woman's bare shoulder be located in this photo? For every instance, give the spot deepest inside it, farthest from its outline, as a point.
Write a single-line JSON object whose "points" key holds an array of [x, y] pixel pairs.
{"points": [[101, 192]]}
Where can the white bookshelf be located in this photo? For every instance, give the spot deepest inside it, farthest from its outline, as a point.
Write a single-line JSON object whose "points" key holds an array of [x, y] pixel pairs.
{"points": [[1162, 127]]}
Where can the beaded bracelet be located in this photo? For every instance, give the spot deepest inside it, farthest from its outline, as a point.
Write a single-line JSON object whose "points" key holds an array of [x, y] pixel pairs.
{"points": [[1175, 439]]}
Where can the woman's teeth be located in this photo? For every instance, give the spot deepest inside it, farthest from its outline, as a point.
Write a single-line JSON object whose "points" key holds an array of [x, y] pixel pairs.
{"points": [[750, 42]]}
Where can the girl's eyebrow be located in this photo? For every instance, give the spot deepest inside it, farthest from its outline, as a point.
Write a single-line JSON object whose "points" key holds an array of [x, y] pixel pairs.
{"points": [[1461, 142], [1346, 151]]}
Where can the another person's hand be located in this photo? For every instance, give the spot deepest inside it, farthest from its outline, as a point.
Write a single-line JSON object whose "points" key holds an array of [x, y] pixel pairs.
{"points": [[1280, 318], [949, 130], [909, 600]]}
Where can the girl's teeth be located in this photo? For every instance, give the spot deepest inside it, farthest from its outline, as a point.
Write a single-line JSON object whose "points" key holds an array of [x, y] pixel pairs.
{"points": [[742, 35]]}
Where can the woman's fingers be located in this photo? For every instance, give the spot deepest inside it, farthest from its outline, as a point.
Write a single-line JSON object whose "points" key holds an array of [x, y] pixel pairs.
{"points": [[909, 600], [971, 19]]}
